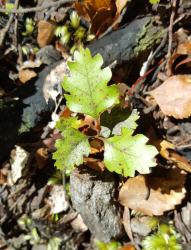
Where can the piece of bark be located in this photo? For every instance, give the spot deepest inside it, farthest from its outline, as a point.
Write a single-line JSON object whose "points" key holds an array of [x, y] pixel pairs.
{"points": [[93, 196], [129, 42]]}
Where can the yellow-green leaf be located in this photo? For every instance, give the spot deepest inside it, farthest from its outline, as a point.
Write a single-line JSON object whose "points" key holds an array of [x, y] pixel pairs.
{"points": [[87, 85], [71, 149], [125, 154]]}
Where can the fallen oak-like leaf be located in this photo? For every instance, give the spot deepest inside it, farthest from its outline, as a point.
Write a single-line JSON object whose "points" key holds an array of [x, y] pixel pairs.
{"points": [[100, 13], [174, 96], [153, 195]]}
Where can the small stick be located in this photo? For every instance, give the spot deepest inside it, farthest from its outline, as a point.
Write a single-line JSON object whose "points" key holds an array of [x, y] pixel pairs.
{"points": [[5, 30], [38, 8], [174, 4]]}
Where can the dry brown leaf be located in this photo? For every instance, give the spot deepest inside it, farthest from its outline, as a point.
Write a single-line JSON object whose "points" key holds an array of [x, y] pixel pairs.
{"points": [[95, 164], [120, 4], [97, 146], [101, 13], [89, 125], [167, 150], [184, 48], [101, 21], [42, 157], [127, 223], [45, 33], [153, 195], [88, 8], [174, 96], [26, 75]]}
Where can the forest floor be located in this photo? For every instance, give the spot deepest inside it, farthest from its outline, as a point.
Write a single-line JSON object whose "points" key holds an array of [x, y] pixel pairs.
{"points": [[95, 153]]}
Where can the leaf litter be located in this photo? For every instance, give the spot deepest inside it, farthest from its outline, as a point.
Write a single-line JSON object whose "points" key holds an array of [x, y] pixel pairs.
{"points": [[153, 191]]}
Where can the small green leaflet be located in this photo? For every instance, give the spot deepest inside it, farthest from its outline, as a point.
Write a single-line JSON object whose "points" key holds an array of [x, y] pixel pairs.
{"points": [[154, 1], [87, 85], [124, 154], [130, 123], [70, 122], [117, 119], [72, 147]]}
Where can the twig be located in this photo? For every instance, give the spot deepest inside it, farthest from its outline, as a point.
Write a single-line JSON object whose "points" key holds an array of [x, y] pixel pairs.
{"points": [[170, 35], [5, 30], [38, 8]]}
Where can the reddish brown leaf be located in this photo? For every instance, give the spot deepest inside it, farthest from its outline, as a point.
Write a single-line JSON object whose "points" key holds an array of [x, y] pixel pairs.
{"points": [[45, 33], [101, 13], [101, 20], [174, 96]]}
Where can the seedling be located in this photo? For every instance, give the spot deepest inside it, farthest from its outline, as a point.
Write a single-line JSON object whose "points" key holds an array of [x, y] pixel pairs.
{"points": [[89, 95]]}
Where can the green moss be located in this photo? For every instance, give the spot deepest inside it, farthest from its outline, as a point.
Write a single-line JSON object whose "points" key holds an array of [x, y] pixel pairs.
{"points": [[166, 238], [26, 125], [148, 37]]}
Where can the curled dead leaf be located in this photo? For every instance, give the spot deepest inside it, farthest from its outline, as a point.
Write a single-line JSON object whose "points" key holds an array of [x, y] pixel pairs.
{"points": [[174, 96], [153, 195], [167, 150], [42, 157]]}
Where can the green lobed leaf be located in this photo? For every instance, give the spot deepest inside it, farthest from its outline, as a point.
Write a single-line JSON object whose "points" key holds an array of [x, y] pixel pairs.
{"points": [[87, 85], [124, 154], [72, 147], [70, 122], [130, 123]]}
